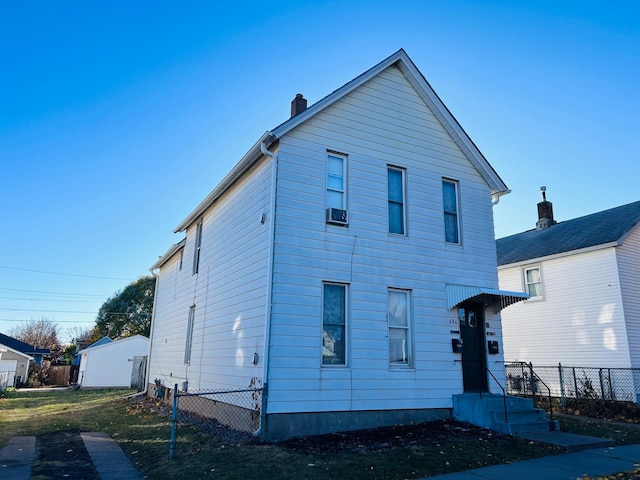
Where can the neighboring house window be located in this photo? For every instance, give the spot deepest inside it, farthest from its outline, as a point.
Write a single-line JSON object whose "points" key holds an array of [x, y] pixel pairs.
{"points": [[336, 184], [533, 280], [334, 319], [399, 318], [189, 338], [197, 246], [450, 202], [396, 200]]}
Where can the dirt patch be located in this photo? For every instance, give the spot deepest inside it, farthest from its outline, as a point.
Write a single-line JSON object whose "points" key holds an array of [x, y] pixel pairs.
{"points": [[385, 438], [62, 455]]}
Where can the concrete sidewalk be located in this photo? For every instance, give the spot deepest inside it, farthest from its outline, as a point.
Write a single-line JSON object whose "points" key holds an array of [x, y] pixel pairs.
{"points": [[568, 466], [108, 458]]}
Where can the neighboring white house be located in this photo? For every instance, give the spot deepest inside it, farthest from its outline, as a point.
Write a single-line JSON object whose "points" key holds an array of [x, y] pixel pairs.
{"points": [[114, 364], [13, 365], [582, 275], [339, 264]]}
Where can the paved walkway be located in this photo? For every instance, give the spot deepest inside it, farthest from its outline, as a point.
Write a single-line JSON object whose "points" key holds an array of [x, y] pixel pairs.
{"points": [[567, 466], [107, 456]]}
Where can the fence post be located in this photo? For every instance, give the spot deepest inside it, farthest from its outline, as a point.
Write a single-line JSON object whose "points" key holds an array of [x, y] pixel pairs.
{"points": [[563, 399], [174, 418], [601, 384]]}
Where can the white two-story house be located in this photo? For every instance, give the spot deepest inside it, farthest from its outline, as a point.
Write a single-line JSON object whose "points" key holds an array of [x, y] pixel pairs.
{"points": [[346, 264]]}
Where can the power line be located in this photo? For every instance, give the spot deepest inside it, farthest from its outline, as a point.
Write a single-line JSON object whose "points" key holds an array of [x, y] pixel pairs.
{"points": [[53, 293], [53, 321], [64, 274], [46, 311], [49, 300]]}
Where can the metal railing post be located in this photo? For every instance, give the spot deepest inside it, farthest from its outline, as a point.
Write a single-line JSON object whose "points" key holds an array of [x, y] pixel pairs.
{"points": [[563, 399], [174, 419]]}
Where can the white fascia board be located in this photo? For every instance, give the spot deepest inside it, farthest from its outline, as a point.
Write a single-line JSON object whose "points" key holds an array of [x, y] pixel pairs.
{"points": [[236, 172], [570, 253], [453, 127], [168, 254], [18, 352]]}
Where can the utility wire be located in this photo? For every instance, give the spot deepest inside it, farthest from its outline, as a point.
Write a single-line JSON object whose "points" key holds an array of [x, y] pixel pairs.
{"points": [[47, 311], [53, 293], [64, 274], [48, 300]]}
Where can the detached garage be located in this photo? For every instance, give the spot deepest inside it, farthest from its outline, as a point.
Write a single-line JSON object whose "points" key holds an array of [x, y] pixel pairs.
{"points": [[118, 364]]}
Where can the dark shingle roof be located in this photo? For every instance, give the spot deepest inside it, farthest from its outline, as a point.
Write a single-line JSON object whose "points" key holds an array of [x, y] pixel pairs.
{"points": [[25, 348], [588, 231]]}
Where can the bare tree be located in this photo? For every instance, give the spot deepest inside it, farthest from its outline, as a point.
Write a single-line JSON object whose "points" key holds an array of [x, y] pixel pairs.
{"points": [[41, 333]]}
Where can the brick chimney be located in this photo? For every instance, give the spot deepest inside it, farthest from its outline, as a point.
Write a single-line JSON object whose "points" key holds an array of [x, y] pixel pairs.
{"points": [[545, 212], [298, 104]]}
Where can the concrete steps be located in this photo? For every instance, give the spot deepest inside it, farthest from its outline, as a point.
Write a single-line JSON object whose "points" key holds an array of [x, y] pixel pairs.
{"points": [[488, 411]]}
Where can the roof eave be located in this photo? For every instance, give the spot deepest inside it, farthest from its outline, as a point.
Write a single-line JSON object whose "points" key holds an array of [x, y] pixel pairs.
{"points": [[168, 254], [238, 171]]}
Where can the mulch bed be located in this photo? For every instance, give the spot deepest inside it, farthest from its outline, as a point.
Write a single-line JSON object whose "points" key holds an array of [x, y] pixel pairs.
{"points": [[384, 438]]}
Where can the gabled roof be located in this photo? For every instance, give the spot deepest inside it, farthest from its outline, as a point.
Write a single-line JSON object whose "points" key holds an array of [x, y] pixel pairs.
{"points": [[598, 229], [93, 347], [168, 254], [22, 347], [401, 60]]}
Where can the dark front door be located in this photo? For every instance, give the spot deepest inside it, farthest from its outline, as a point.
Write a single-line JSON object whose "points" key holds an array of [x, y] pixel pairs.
{"points": [[474, 372]]}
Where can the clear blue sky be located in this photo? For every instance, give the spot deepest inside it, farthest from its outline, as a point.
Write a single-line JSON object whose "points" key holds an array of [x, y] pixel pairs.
{"points": [[118, 118]]}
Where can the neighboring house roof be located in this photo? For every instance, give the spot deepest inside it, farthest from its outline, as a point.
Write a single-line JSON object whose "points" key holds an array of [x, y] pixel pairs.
{"points": [[401, 60], [606, 227], [110, 343], [22, 347], [97, 343]]}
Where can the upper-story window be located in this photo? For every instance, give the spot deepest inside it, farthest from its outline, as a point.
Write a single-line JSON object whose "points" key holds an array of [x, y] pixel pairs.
{"points": [[336, 184], [181, 259], [334, 322], [451, 213], [533, 281], [396, 198], [196, 248]]}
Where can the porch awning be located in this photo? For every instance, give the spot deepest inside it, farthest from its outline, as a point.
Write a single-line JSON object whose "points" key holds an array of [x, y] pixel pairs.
{"points": [[456, 294]]}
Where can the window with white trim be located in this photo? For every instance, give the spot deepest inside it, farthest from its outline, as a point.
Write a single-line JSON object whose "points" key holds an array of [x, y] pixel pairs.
{"points": [[396, 194], [399, 319], [336, 181], [451, 217], [533, 282], [189, 336], [196, 248], [334, 323]]}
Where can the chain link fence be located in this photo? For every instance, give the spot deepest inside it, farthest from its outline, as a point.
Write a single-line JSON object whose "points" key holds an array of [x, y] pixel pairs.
{"points": [[232, 415], [578, 383]]}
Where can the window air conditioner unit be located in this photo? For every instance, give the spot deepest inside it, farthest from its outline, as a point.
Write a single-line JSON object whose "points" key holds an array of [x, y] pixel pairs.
{"points": [[337, 215]]}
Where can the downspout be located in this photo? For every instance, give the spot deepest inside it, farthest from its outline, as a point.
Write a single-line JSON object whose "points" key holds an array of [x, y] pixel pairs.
{"points": [[262, 430], [153, 316]]}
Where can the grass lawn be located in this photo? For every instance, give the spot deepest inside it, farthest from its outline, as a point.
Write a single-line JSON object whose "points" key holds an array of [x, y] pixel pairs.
{"points": [[144, 436]]}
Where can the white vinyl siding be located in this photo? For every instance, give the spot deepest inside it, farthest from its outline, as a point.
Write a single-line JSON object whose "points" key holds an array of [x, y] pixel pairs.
{"points": [[628, 255], [580, 321], [381, 122], [229, 291], [109, 365]]}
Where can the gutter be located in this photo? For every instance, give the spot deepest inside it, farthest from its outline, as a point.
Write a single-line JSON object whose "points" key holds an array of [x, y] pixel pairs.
{"points": [[262, 430]]}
